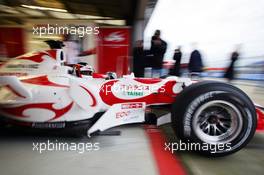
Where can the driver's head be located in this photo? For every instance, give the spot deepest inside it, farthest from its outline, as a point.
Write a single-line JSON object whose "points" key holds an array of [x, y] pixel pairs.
{"points": [[86, 70]]}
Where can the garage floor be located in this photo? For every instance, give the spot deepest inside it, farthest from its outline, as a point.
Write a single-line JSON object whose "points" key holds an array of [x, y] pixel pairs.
{"points": [[129, 153], [125, 154]]}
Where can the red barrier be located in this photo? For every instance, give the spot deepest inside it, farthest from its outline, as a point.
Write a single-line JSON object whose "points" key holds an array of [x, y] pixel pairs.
{"points": [[260, 126]]}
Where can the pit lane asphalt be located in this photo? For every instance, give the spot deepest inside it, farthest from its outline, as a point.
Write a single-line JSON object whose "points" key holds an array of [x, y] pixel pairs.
{"points": [[127, 154]]}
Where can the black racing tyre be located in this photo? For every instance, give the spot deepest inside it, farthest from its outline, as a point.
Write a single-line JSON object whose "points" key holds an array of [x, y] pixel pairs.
{"points": [[214, 118], [2, 123]]}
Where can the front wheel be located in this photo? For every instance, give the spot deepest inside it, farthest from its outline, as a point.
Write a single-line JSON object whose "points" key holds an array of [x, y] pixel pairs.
{"points": [[216, 118]]}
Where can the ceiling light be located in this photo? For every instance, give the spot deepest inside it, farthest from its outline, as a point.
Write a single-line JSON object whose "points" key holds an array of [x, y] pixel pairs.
{"points": [[44, 8], [91, 17], [62, 15]]}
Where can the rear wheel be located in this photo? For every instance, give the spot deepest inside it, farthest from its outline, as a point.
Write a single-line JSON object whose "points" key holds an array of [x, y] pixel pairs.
{"points": [[2, 123], [218, 118]]}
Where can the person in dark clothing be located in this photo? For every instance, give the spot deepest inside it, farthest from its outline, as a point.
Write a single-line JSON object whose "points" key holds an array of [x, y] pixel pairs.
{"points": [[138, 59], [158, 49], [195, 63], [177, 65], [55, 44], [230, 70]]}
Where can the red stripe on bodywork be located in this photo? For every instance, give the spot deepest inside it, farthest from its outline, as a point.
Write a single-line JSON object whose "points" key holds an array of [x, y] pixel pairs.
{"points": [[42, 80], [93, 98], [37, 57], [18, 111], [148, 80], [97, 75], [52, 53], [167, 163]]}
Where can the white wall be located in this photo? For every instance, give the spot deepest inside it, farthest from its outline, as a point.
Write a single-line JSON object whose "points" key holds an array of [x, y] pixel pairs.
{"points": [[217, 26]]}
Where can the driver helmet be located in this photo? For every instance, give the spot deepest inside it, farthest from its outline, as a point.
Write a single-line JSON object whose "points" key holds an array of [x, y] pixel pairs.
{"points": [[86, 69]]}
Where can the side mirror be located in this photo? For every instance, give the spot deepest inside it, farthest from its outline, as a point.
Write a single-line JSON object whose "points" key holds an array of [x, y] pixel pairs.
{"points": [[111, 75]]}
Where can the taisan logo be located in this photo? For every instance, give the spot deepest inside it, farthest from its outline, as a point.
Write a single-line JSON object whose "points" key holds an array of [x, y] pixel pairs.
{"points": [[133, 93]]}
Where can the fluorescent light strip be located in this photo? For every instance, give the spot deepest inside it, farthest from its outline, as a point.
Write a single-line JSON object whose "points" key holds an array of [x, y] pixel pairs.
{"points": [[44, 8]]}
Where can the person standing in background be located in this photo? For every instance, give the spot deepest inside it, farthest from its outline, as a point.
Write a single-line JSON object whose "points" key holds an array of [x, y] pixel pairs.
{"points": [[71, 50], [195, 63], [138, 59], [158, 49], [177, 65], [230, 70]]}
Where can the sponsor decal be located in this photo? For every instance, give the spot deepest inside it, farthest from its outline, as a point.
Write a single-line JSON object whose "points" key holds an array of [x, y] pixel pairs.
{"points": [[49, 125], [156, 94], [122, 114], [132, 93], [131, 87], [191, 108], [132, 106], [115, 37]]}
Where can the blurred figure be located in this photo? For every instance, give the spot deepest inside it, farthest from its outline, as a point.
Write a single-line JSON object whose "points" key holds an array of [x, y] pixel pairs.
{"points": [[138, 59], [54, 44], [177, 65], [71, 51], [88, 52], [158, 49], [195, 64], [230, 70]]}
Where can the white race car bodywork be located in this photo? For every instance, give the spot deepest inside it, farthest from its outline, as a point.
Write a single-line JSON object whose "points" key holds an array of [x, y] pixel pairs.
{"points": [[65, 98], [57, 96]]}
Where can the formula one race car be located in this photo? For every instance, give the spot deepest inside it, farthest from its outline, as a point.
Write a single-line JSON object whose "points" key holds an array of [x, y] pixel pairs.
{"points": [[39, 91]]}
